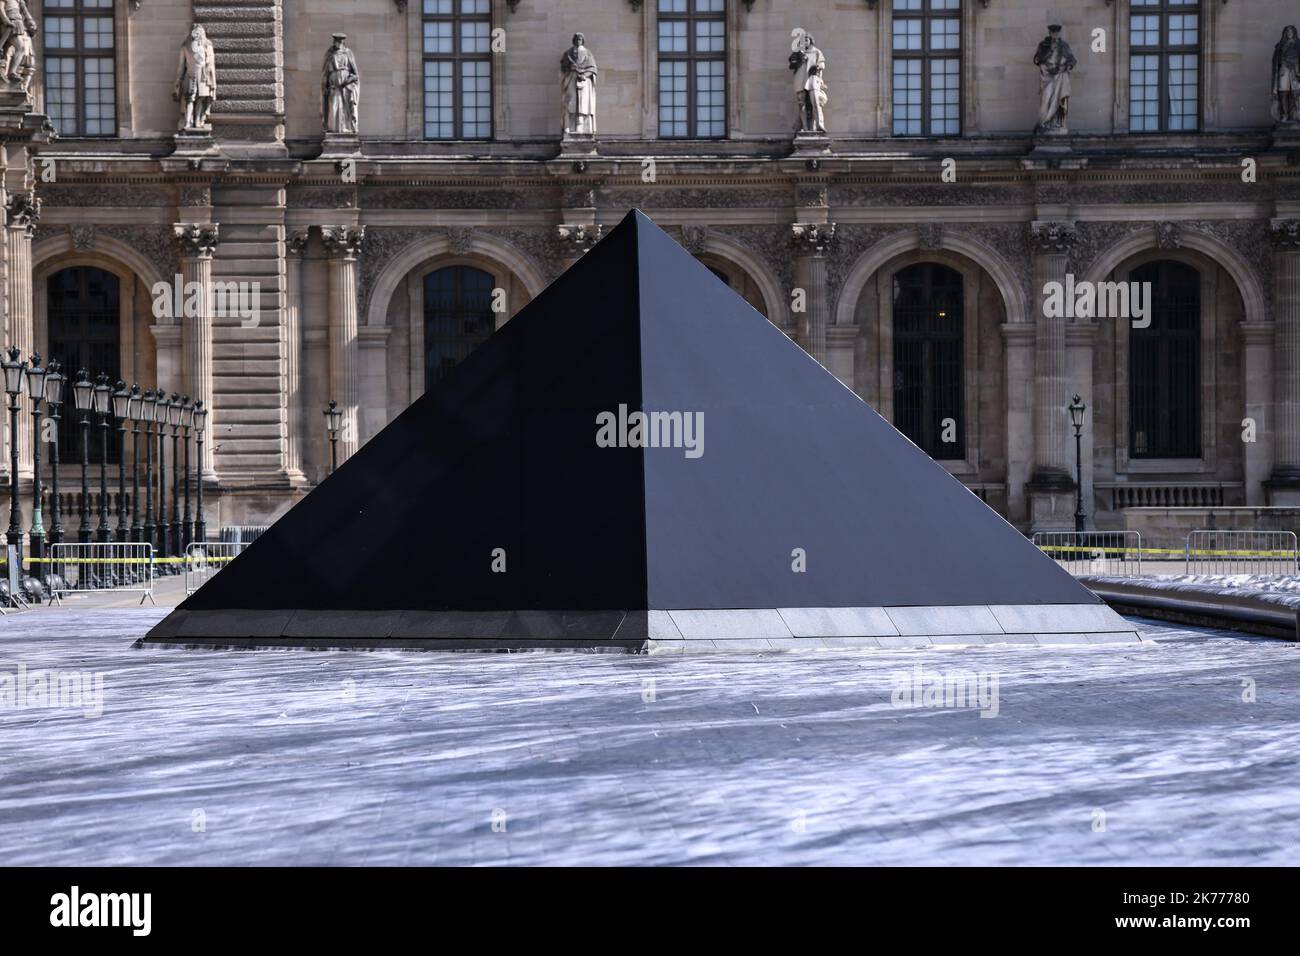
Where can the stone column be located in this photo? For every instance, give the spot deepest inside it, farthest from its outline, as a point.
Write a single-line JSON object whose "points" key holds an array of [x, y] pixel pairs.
{"points": [[22, 212], [812, 241], [1284, 485], [343, 243], [196, 242], [1018, 346], [1051, 487], [291, 341], [1258, 345]]}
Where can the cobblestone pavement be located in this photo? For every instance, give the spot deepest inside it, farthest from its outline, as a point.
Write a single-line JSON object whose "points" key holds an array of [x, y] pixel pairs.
{"points": [[1152, 754]]}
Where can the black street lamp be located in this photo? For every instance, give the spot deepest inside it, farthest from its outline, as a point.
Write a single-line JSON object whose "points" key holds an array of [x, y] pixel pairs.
{"points": [[121, 406], [133, 413], [146, 416], [103, 405], [160, 420], [174, 419], [54, 382], [1077, 408], [83, 394], [333, 421], [13, 372], [36, 391], [200, 426], [187, 519]]}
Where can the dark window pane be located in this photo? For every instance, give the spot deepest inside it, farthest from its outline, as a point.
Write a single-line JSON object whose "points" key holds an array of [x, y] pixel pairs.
{"points": [[84, 319], [1165, 366], [928, 364], [458, 317]]}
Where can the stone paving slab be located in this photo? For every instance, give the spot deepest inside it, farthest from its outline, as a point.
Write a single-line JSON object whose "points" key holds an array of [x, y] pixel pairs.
{"points": [[390, 758]]}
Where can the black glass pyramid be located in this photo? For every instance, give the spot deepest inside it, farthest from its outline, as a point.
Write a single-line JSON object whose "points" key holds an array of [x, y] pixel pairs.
{"points": [[515, 505]]}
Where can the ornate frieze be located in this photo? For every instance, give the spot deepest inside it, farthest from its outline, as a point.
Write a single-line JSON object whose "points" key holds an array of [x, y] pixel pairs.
{"points": [[710, 197], [929, 236], [132, 196], [195, 194], [694, 239], [1167, 235], [344, 241], [460, 239], [196, 238], [326, 197], [382, 244], [1051, 237], [768, 243], [83, 237], [431, 197]]}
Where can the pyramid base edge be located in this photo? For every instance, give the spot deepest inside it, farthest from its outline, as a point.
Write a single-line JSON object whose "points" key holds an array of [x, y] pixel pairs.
{"points": [[748, 630]]}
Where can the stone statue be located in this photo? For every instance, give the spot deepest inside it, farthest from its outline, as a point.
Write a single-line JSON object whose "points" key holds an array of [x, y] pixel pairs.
{"points": [[1286, 77], [340, 84], [578, 80], [196, 80], [1054, 60], [809, 66], [17, 28]]}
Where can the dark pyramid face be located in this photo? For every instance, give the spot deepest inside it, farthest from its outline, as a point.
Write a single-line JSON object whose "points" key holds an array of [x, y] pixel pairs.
{"points": [[501, 454], [504, 454]]}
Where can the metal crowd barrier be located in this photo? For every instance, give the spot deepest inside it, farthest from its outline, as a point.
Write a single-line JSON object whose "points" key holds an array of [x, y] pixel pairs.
{"points": [[1241, 552], [1094, 552], [116, 566], [205, 558]]}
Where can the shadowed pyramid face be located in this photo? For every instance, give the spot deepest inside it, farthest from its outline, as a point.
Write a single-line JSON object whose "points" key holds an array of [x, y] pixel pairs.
{"points": [[563, 467]]}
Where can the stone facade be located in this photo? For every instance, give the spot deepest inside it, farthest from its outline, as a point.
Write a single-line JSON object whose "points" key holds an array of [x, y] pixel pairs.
{"points": [[339, 244]]}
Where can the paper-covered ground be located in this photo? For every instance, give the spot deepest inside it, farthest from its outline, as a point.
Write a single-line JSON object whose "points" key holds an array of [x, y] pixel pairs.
{"points": [[1183, 751]]}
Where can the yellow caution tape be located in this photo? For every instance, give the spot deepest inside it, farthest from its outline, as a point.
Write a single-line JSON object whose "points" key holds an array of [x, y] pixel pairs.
{"points": [[1120, 549]]}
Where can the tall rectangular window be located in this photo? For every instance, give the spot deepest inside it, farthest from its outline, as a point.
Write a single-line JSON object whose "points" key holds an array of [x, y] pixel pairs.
{"points": [[457, 47], [926, 38], [692, 69], [80, 82], [1164, 82]]}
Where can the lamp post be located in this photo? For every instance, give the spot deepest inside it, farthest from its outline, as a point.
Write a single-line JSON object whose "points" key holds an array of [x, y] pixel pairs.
{"points": [[1077, 408], [187, 519], [121, 405], [13, 372], [133, 413], [174, 419], [146, 416], [54, 382], [200, 426], [103, 405], [160, 419], [36, 391], [83, 394], [333, 420]]}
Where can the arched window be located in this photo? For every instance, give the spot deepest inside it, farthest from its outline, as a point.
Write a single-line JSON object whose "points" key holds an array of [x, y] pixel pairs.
{"points": [[457, 317], [83, 321], [1164, 365], [928, 334]]}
